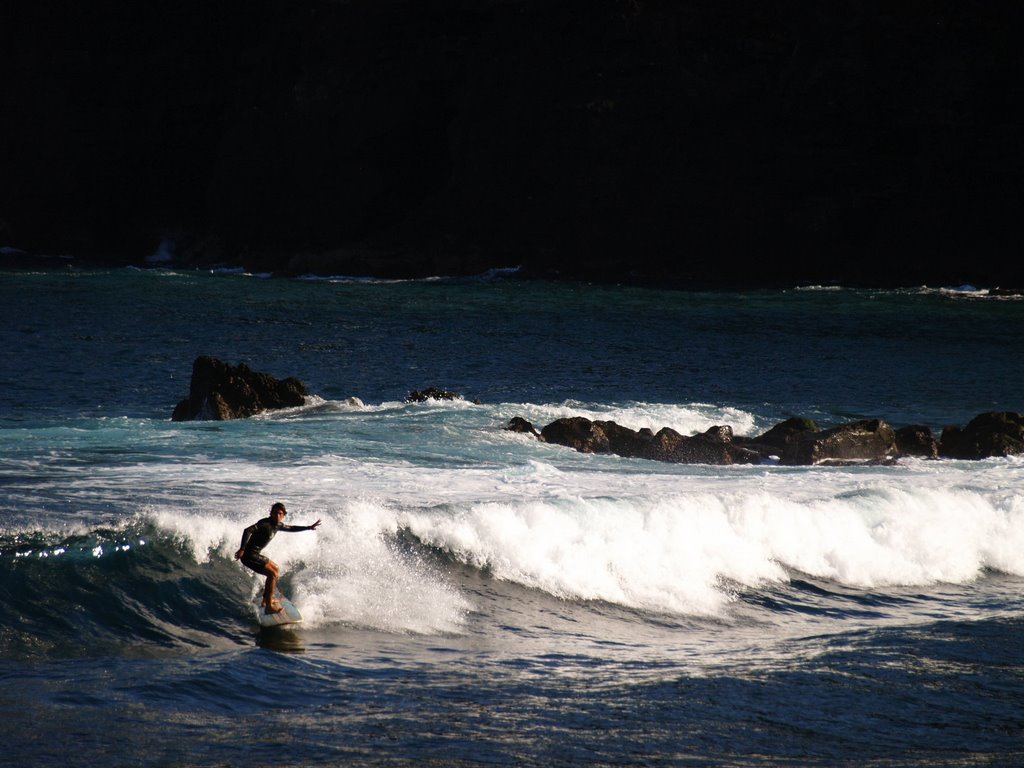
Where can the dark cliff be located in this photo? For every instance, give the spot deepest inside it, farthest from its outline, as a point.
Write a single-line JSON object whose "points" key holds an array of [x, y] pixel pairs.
{"points": [[683, 142]]}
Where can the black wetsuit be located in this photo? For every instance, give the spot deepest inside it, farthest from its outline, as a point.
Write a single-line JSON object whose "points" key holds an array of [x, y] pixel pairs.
{"points": [[257, 536]]}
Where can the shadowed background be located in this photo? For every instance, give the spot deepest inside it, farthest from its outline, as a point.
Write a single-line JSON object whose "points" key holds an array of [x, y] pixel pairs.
{"points": [[691, 143]]}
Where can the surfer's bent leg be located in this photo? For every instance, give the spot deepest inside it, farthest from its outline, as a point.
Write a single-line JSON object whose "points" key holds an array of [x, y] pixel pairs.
{"points": [[269, 604], [265, 567]]}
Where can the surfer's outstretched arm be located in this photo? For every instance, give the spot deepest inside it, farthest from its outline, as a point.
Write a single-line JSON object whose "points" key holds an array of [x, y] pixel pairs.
{"points": [[294, 528]]}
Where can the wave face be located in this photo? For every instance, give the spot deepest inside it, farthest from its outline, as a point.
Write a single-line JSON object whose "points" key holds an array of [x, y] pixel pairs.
{"points": [[107, 592]]}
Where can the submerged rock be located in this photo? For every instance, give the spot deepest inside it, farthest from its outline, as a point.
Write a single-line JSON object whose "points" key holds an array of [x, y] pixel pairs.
{"points": [[220, 392], [519, 424]]}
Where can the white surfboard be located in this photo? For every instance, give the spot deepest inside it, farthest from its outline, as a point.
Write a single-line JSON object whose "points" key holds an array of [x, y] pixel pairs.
{"points": [[288, 614]]}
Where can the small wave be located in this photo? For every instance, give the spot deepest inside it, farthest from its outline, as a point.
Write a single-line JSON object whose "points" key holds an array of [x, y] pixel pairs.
{"points": [[966, 292], [357, 280], [240, 272], [314, 406], [490, 275], [820, 288], [954, 292], [317, 406]]}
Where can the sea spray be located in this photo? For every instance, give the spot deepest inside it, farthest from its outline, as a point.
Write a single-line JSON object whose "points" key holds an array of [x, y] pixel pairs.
{"points": [[348, 571], [359, 576]]}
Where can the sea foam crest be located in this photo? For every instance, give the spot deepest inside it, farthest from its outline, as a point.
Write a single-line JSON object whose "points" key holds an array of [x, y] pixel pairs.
{"points": [[679, 544], [644, 556], [686, 419], [676, 553]]}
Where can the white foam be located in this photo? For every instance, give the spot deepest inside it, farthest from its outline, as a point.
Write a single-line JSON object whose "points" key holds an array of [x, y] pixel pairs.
{"points": [[642, 556], [344, 572], [674, 553], [686, 419], [360, 578]]}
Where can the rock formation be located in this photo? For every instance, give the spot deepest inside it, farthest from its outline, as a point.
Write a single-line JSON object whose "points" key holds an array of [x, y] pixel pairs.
{"points": [[219, 392], [917, 440], [867, 440], [796, 441], [988, 434], [713, 447]]}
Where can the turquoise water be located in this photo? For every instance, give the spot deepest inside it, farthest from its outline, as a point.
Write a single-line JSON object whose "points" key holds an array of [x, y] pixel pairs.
{"points": [[477, 597]]}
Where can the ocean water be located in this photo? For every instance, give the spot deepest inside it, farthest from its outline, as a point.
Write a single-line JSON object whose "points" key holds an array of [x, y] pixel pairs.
{"points": [[474, 596]]}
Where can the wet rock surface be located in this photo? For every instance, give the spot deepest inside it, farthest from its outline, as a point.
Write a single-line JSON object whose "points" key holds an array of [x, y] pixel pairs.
{"points": [[220, 392]]}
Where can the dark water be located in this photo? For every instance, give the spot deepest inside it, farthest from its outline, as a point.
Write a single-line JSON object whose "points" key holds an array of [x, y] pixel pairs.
{"points": [[475, 597]]}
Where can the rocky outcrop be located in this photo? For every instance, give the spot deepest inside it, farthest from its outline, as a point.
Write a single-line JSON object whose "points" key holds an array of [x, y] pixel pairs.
{"points": [[859, 441], [713, 447], [988, 434], [796, 441], [776, 440], [799, 441], [917, 440], [219, 392]]}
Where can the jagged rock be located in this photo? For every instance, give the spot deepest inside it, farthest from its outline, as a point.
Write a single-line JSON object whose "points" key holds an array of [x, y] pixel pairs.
{"points": [[775, 440], [797, 441], [219, 392], [713, 447], [867, 441], [987, 434], [916, 440], [578, 433]]}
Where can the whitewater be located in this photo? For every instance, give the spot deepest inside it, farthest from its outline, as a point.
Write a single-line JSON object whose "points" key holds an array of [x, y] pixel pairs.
{"points": [[474, 595]]}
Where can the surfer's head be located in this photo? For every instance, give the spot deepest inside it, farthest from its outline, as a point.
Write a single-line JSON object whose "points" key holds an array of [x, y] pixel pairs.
{"points": [[278, 507]]}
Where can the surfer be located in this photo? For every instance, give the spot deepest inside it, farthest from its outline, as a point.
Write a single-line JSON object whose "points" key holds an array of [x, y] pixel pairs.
{"points": [[255, 538]]}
